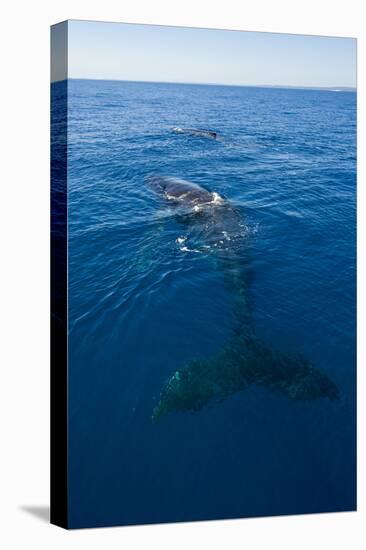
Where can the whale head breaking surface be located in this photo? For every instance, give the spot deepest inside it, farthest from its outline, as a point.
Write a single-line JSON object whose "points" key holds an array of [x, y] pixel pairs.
{"points": [[210, 221], [183, 191]]}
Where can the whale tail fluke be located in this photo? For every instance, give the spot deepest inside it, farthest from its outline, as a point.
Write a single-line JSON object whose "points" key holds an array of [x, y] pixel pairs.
{"points": [[233, 370]]}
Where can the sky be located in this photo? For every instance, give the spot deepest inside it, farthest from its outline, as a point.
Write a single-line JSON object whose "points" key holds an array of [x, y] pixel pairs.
{"points": [[120, 51]]}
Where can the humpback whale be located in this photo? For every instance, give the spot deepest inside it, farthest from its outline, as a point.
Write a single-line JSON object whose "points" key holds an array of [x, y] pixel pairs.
{"points": [[195, 132], [216, 227]]}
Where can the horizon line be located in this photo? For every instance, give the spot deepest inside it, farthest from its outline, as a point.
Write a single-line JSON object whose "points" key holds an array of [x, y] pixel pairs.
{"points": [[281, 86]]}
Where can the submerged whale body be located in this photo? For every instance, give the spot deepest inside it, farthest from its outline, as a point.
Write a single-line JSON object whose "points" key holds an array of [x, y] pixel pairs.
{"points": [[216, 227], [195, 132]]}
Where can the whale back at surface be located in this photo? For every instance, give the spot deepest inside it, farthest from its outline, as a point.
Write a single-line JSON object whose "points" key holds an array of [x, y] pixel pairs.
{"points": [[195, 132]]}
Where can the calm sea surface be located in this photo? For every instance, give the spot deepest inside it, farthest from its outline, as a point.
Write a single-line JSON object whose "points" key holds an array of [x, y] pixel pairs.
{"points": [[141, 305]]}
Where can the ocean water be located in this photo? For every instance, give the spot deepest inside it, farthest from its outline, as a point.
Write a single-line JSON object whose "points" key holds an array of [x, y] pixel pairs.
{"points": [[143, 302]]}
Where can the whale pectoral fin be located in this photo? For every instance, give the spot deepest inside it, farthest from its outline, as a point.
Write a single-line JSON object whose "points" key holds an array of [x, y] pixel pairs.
{"points": [[296, 378], [201, 381], [246, 362], [290, 375]]}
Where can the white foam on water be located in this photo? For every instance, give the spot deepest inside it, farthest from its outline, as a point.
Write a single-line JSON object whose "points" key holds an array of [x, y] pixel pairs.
{"points": [[182, 247], [216, 198], [186, 249]]}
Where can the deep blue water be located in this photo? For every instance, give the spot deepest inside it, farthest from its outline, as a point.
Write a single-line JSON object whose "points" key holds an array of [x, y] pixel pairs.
{"points": [[141, 306]]}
